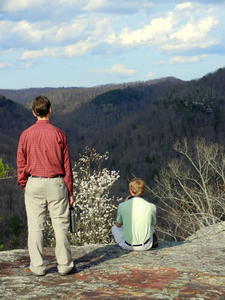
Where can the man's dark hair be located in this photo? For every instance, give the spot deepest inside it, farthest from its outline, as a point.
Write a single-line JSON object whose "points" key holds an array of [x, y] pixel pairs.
{"points": [[41, 106]]}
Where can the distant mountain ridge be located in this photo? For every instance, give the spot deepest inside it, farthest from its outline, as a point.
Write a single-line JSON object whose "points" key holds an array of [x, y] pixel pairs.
{"points": [[23, 96], [66, 99]]}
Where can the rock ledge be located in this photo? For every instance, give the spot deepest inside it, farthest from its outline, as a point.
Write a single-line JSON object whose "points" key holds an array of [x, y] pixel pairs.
{"points": [[194, 269]]}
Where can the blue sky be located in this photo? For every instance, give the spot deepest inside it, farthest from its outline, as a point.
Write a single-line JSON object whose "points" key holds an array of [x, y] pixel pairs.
{"points": [[55, 43]]}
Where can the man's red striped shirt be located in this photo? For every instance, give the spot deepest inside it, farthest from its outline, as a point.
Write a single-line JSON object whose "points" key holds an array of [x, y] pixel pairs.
{"points": [[43, 151]]}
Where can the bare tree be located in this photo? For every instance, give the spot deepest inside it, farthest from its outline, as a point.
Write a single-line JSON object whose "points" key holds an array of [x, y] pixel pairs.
{"points": [[190, 192]]}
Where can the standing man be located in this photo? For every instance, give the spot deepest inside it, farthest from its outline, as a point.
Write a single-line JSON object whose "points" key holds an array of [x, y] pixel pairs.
{"points": [[136, 219], [44, 171]]}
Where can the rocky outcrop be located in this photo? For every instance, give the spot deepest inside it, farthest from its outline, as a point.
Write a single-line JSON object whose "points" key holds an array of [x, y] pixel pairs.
{"points": [[194, 269]]}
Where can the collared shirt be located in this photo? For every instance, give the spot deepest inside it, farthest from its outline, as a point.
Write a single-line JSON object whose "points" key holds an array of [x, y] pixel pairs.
{"points": [[138, 218], [43, 151]]}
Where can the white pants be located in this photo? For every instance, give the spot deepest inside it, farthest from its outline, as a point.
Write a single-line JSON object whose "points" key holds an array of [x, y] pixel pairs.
{"points": [[118, 236], [42, 194]]}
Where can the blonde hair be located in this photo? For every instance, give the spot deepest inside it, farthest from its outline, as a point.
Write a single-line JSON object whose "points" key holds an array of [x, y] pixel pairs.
{"points": [[137, 186]]}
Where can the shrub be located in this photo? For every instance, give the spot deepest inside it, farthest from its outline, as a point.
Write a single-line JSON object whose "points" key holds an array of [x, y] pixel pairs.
{"points": [[1, 235], [12, 233], [4, 169]]}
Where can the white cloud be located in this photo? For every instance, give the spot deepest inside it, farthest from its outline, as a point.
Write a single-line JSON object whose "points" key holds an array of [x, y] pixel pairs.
{"points": [[8, 51], [173, 46], [62, 7], [28, 31], [95, 5], [72, 50], [188, 26], [185, 5], [22, 5], [117, 69], [70, 2], [150, 33], [118, 6], [150, 75], [34, 35], [4, 65], [19, 5], [178, 30], [78, 49], [195, 30], [121, 69], [187, 59], [192, 35], [43, 31], [30, 54]]}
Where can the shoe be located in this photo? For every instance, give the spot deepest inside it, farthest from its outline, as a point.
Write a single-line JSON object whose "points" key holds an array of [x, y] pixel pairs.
{"points": [[72, 271], [39, 274], [155, 241], [36, 272], [30, 272]]}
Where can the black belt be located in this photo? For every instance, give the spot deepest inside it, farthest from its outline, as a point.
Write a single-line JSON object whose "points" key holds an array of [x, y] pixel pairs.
{"points": [[138, 244], [59, 175]]}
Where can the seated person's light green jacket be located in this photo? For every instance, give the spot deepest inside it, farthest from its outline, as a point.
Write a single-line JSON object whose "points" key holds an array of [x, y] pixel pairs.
{"points": [[138, 218]]}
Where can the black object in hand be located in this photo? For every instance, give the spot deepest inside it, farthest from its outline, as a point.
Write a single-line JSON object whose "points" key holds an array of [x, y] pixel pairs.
{"points": [[72, 220]]}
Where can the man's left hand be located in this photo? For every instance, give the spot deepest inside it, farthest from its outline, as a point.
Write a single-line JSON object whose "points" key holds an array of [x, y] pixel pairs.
{"points": [[71, 201]]}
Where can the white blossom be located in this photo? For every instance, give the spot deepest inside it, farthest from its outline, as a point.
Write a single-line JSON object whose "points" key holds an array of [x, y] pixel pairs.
{"points": [[93, 202]]}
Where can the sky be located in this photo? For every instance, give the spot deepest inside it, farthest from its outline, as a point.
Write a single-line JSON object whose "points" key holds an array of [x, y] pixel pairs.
{"points": [[74, 43]]}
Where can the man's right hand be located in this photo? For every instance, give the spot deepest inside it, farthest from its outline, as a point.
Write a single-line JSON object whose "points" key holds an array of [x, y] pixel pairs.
{"points": [[127, 198], [118, 224], [71, 201]]}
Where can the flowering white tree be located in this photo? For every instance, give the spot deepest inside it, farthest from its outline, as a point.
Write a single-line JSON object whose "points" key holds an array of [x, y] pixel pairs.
{"points": [[95, 208]]}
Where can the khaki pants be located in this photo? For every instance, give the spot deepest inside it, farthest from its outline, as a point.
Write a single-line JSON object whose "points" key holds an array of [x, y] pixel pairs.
{"points": [[118, 236], [42, 194]]}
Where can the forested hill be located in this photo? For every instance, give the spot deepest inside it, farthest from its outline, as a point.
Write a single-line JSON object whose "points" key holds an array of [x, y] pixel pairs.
{"points": [[13, 119], [16, 117], [137, 123]]}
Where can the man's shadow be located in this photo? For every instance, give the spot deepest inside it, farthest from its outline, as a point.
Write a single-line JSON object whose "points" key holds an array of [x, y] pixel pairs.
{"points": [[110, 252], [105, 253], [92, 258], [98, 256]]}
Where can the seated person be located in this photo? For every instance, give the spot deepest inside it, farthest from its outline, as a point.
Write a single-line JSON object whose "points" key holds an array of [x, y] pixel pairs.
{"points": [[136, 218]]}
